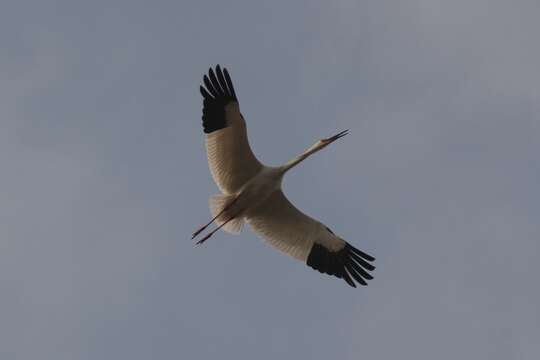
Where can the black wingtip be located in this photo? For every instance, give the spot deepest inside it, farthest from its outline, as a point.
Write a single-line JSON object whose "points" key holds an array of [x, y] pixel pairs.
{"points": [[361, 253], [216, 83], [361, 262], [205, 93], [352, 271], [348, 279], [229, 83], [219, 84], [344, 263], [217, 91]]}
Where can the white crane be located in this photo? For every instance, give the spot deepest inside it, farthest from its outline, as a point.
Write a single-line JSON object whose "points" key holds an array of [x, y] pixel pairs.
{"points": [[251, 191]]}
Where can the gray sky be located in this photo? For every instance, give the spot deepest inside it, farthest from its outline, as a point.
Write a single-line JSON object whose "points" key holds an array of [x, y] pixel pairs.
{"points": [[104, 178]]}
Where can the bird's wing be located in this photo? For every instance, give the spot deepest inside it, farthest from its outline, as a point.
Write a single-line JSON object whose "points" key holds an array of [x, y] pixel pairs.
{"points": [[289, 230], [231, 161]]}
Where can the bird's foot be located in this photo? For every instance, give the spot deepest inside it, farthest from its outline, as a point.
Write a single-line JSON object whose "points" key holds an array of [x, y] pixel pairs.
{"points": [[198, 231], [203, 239]]}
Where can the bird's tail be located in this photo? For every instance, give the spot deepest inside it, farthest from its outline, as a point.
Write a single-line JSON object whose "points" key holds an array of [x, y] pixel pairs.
{"points": [[218, 204]]}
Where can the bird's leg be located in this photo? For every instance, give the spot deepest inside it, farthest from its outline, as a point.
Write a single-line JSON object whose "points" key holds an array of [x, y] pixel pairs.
{"points": [[214, 231], [201, 229]]}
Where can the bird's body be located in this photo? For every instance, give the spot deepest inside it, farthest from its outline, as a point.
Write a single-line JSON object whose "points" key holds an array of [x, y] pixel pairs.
{"points": [[251, 195], [259, 188], [251, 191]]}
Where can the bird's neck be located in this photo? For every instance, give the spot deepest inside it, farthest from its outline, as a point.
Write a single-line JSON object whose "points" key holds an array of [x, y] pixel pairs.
{"points": [[297, 160]]}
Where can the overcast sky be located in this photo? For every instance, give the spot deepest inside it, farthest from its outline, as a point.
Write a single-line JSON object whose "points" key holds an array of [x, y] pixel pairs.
{"points": [[104, 178]]}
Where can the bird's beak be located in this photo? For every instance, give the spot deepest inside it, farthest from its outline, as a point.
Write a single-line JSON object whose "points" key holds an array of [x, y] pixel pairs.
{"points": [[331, 139]]}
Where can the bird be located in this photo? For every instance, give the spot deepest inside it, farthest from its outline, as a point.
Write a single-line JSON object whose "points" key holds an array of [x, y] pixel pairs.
{"points": [[251, 192]]}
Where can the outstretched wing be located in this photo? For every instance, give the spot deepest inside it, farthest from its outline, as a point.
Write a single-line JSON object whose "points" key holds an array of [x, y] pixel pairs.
{"points": [[230, 158], [289, 230]]}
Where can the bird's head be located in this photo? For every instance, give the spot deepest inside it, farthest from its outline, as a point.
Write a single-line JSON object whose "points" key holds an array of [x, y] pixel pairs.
{"points": [[321, 144], [331, 139]]}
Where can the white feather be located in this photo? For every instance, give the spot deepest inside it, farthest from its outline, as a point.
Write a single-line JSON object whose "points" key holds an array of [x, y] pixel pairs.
{"points": [[230, 158], [289, 230]]}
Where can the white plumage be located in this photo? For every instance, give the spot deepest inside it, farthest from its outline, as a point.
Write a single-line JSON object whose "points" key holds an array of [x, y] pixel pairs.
{"points": [[251, 191], [230, 158]]}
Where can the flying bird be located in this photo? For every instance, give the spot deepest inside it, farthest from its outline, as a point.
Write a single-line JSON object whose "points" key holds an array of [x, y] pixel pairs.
{"points": [[251, 192]]}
